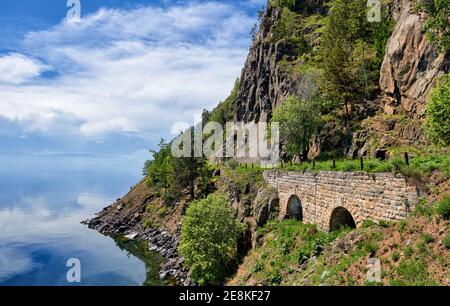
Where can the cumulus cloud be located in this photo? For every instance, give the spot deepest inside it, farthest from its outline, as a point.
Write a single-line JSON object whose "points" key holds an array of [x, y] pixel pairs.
{"points": [[17, 68], [131, 71]]}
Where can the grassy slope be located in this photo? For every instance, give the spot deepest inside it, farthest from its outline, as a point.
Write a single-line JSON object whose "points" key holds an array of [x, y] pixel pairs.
{"points": [[412, 252]]}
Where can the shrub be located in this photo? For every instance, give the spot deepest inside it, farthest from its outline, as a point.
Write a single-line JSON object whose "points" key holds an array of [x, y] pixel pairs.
{"points": [[369, 247], [209, 239], [443, 208], [422, 248], [436, 24], [299, 121], [149, 223], [258, 267], [395, 256], [304, 254], [408, 251], [438, 112], [423, 209], [427, 238], [401, 226], [275, 277], [384, 224], [446, 241]]}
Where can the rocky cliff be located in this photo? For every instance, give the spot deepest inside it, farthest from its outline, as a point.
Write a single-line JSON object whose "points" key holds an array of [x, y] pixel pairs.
{"points": [[411, 65], [409, 71], [264, 84]]}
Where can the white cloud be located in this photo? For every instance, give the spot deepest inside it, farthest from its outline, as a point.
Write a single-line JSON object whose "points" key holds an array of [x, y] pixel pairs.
{"points": [[17, 68], [133, 71]]}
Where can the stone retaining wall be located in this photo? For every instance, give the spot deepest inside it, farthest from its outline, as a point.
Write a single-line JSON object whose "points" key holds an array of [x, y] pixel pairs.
{"points": [[380, 196]]}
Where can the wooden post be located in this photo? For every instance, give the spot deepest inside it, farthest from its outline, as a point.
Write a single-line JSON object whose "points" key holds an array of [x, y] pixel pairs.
{"points": [[334, 163], [314, 164], [282, 165], [407, 158], [253, 166], [361, 161]]}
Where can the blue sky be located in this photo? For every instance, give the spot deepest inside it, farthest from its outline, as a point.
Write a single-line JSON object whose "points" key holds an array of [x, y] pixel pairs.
{"points": [[117, 80]]}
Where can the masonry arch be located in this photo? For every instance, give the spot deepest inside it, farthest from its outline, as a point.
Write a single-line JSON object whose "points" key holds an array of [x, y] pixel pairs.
{"points": [[294, 208], [341, 217]]}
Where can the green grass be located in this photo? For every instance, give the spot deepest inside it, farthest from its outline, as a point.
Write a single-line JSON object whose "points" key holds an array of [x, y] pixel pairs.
{"points": [[395, 256], [424, 209], [240, 176], [291, 245], [402, 226], [412, 272], [368, 223], [427, 238], [443, 208], [446, 241], [408, 251], [418, 166]]}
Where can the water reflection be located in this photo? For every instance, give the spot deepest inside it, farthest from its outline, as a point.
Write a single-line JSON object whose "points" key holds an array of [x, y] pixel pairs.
{"points": [[42, 201], [152, 260]]}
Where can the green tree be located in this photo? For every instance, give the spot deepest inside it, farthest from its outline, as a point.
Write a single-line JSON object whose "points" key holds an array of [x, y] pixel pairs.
{"points": [[438, 112], [224, 111], [284, 3], [160, 171], [146, 166], [288, 25], [299, 122], [209, 239], [188, 170], [349, 49], [437, 26]]}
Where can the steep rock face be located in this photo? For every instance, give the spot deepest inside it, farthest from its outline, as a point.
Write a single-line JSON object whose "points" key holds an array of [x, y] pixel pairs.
{"points": [[409, 71], [411, 65], [264, 85]]}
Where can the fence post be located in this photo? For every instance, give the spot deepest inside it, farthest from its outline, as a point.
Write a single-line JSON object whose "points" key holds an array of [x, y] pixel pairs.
{"points": [[334, 163], [407, 158], [361, 160], [314, 164]]}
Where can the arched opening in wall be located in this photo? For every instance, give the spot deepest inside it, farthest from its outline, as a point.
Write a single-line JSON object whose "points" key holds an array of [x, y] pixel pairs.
{"points": [[294, 209], [341, 217], [274, 208]]}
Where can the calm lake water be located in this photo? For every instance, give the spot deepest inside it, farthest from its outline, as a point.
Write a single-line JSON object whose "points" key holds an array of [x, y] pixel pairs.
{"points": [[42, 202]]}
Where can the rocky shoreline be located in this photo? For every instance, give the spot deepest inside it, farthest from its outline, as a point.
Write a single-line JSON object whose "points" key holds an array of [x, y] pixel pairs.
{"points": [[160, 241]]}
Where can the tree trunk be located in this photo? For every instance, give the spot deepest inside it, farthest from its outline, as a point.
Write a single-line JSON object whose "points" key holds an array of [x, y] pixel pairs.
{"points": [[305, 154]]}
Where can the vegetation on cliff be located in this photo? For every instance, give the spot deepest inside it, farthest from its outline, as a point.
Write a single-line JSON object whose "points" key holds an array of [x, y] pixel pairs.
{"points": [[299, 122], [412, 252], [169, 176], [437, 24], [438, 112], [209, 240]]}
